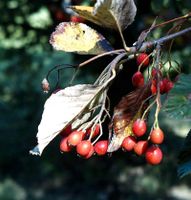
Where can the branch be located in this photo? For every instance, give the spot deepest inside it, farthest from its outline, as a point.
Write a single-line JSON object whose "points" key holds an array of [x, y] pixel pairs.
{"points": [[118, 51], [151, 44], [143, 48]]}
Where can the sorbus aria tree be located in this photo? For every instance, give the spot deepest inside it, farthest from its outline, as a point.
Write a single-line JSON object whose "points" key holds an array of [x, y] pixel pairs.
{"points": [[85, 107]]}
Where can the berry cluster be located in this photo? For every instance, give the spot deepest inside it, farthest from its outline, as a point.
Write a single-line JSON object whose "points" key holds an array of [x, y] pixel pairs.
{"points": [[79, 141], [149, 147], [165, 85]]}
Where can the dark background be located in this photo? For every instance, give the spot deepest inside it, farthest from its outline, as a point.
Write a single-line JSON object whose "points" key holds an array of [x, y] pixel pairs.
{"points": [[25, 58]]}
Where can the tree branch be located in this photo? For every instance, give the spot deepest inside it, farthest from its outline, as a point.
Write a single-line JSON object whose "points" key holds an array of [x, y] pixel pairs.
{"points": [[151, 44], [145, 46]]}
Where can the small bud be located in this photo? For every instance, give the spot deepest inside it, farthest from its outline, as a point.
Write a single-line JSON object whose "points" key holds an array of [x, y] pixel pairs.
{"points": [[45, 85]]}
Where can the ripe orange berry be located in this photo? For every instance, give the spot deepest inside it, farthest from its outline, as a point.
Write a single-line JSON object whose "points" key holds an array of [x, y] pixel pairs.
{"points": [[129, 143], [154, 155], [157, 136], [140, 147], [75, 138], [90, 154], [64, 147], [139, 127], [101, 147], [84, 147]]}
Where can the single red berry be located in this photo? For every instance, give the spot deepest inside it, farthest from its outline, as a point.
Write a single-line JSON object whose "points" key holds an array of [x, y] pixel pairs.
{"points": [[101, 147], [155, 71], [157, 136], [143, 58], [139, 127], [96, 131], [91, 152], [153, 89], [154, 155], [64, 147], [168, 85], [162, 87], [138, 79], [129, 143], [66, 131], [140, 147], [154, 81], [84, 147], [165, 81], [77, 19], [75, 138]]}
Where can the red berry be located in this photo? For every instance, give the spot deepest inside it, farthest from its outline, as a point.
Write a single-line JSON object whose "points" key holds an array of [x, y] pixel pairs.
{"points": [[129, 143], [77, 19], [84, 147], [165, 81], [96, 131], [162, 87], [75, 138], [66, 131], [168, 85], [140, 147], [91, 152], [154, 155], [101, 147], [143, 58], [139, 127], [153, 89], [64, 147], [155, 71], [157, 136], [138, 79]]}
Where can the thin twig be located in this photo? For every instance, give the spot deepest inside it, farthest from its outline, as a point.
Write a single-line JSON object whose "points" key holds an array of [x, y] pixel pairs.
{"points": [[158, 100], [118, 51], [187, 16]]}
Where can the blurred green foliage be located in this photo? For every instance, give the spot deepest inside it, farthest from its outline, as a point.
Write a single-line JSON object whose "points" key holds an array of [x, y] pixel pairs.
{"points": [[178, 104], [25, 58]]}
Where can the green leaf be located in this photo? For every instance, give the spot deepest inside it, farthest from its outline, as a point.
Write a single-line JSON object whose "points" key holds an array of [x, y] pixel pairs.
{"points": [[184, 158], [178, 103]]}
